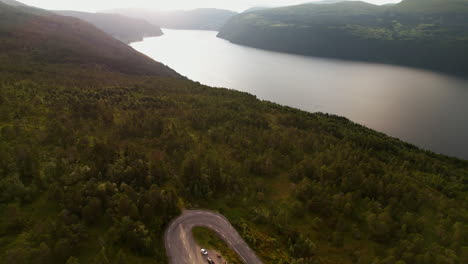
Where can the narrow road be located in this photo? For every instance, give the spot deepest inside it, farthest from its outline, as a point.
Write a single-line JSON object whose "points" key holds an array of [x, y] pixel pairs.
{"points": [[181, 246]]}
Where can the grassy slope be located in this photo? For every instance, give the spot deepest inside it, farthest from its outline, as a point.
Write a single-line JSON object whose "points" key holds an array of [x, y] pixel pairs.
{"points": [[123, 28], [100, 146], [424, 34]]}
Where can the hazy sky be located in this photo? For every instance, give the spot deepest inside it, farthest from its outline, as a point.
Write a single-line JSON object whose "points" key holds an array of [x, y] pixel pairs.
{"points": [[95, 5]]}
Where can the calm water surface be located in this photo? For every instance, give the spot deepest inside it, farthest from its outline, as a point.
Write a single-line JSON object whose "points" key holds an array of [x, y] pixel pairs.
{"points": [[427, 109]]}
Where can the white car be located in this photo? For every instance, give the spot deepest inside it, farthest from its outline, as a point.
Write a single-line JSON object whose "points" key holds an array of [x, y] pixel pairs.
{"points": [[204, 252]]}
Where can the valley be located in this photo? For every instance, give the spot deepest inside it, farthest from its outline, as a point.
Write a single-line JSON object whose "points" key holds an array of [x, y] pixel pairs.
{"points": [[103, 149], [402, 102]]}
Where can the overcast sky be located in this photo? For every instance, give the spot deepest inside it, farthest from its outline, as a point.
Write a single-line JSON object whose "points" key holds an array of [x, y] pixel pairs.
{"points": [[96, 5]]}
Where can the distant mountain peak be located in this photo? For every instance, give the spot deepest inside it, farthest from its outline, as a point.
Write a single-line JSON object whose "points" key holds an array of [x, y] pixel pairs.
{"points": [[12, 3], [198, 19]]}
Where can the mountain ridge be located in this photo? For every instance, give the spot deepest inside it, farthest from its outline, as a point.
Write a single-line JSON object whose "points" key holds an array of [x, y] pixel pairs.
{"points": [[196, 19], [123, 28], [90, 44], [353, 30]]}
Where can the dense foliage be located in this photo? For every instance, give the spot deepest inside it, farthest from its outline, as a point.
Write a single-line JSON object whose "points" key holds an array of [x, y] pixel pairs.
{"points": [[97, 158], [208, 239], [429, 34], [121, 27]]}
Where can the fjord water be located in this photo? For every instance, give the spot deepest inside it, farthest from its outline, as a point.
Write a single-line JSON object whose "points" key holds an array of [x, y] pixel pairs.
{"points": [[427, 109]]}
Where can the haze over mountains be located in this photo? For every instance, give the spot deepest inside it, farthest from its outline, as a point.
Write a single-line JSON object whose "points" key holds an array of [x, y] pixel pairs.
{"points": [[201, 19], [412, 33], [124, 28], [13, 3], [257, 8], [234, 5]]}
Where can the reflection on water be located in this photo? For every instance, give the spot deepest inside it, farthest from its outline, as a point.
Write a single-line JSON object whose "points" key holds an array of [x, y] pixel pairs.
{"points": [[427, 109]]}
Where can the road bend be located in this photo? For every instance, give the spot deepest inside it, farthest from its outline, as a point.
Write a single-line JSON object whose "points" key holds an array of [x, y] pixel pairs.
{"points": [[181, 246]]}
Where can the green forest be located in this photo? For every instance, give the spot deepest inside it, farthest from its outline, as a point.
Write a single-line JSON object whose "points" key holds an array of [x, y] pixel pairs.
{"points": [[100, 147], [426, 34]]}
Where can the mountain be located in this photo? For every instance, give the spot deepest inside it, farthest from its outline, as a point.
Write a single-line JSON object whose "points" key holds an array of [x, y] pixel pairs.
{"points": [[424, 34], [323, 2], [197, 19], [12, 2], [260, 8], [433, 7], [123, 28], [25, 8], [101, 147], [256, 8], [54, 39]]}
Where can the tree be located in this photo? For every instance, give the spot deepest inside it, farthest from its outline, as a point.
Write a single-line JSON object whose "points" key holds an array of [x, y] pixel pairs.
{"points": [[92, 210], [121, 257], [148, 213], [28, 166], [463, 255], [302, 247], [42, 254], [72, 260], [337, 239], [101, 257], [14, 218], [11, 187], [63, 249]]}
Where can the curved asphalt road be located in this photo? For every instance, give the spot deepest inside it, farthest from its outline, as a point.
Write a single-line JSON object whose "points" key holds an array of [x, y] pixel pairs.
{"points": [[180, 244]]}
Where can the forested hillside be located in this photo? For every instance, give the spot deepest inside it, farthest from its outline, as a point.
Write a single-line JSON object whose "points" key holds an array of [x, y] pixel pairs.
{"points": [[196, 19], [100, 147], [121, 27], [429, 34], [53, 40]]}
